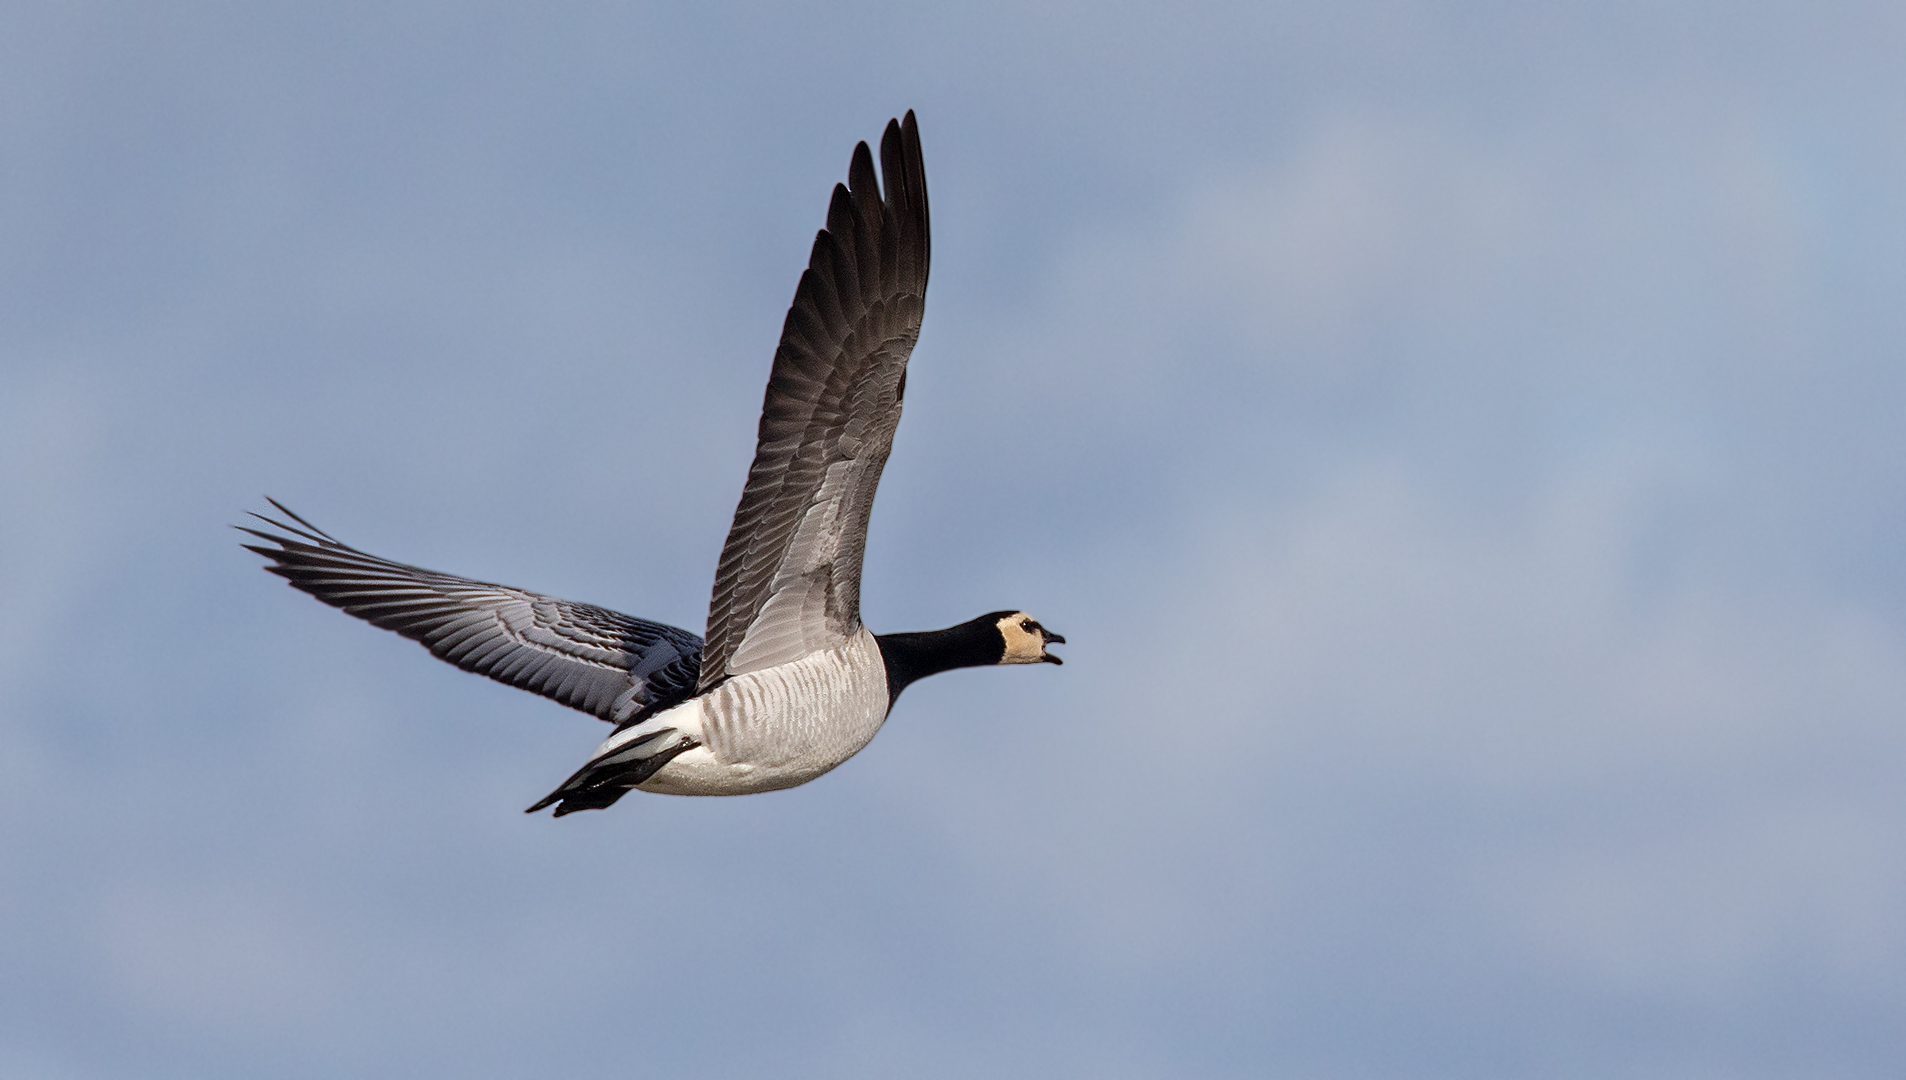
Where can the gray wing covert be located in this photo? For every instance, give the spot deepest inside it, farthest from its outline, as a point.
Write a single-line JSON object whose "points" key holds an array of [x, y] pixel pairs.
{"points": [[789, 578], [610, 665]]}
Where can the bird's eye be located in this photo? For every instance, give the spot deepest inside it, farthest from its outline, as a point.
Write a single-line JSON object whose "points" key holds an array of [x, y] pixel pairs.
{"points": [[1028, 625]]}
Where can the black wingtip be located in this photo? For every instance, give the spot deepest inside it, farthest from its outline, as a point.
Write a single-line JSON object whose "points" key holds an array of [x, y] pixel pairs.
{"points": [[862, 183], [903, 167], [293, 515], [303, 530], [906, 126]]}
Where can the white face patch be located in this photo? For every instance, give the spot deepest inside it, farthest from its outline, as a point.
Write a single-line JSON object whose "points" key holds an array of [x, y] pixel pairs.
{"points": [[1024, 643]]}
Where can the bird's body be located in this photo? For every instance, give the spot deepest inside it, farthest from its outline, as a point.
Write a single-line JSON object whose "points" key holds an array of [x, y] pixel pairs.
{"points": [[775, 728], [789, 683]]}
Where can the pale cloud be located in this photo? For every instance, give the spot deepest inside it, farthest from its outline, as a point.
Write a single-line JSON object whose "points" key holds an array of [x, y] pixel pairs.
{"points": [[1633, 756]]}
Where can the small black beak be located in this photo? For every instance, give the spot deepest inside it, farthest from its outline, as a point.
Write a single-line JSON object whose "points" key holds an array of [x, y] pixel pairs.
{"points": [[1051, 639]]}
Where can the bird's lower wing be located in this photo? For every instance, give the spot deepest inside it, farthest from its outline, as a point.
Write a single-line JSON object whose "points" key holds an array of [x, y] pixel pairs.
{"points": [[610, 665]]}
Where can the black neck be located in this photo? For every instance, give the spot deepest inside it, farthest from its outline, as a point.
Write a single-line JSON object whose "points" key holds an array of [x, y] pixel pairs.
{"points": [[910, 657]]}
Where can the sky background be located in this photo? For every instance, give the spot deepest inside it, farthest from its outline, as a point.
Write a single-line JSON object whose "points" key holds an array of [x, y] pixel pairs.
{"points": [[1463, 445]]}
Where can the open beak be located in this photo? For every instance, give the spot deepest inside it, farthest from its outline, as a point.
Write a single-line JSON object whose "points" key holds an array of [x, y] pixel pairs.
{"points": [[1051, 639]]}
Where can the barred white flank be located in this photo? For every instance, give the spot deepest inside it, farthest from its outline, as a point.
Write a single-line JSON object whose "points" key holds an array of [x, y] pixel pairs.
{"points": [[779, 727]]}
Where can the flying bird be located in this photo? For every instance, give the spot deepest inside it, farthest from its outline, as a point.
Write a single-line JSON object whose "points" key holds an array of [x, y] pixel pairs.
{"points": [[788, 683]]}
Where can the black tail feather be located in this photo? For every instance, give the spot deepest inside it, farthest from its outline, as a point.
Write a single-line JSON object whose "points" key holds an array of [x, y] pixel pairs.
{"points": [[597, 785]]}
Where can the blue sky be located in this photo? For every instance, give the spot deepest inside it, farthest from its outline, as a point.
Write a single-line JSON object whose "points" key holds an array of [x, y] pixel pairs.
{"points": [[1462, 444]]}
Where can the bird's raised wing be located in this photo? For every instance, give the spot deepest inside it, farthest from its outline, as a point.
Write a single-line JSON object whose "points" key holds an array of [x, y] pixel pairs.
{"points": [[789, 579], [602, 662]]}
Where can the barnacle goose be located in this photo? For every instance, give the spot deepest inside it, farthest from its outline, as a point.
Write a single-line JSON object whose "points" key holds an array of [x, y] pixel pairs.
{"points": [[788, 684]]}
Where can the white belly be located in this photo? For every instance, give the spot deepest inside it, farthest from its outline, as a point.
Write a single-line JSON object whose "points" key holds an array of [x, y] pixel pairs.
{"points": [[778, 727]]}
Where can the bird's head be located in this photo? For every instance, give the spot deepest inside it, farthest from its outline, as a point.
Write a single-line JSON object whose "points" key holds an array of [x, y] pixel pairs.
{"points": [[1025, 640]]}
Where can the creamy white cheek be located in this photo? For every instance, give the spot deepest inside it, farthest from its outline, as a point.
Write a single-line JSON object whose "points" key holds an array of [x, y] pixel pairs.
{"points": [[1023, 646]]}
